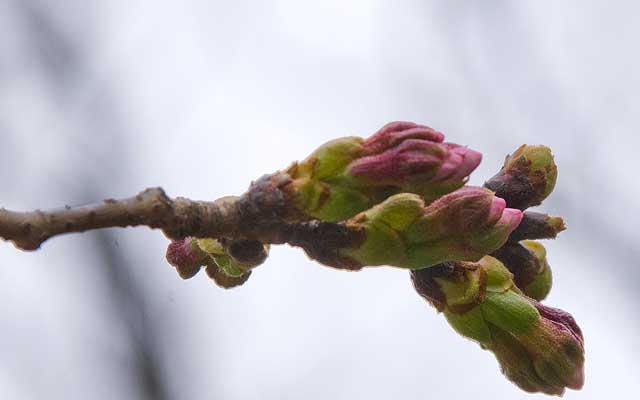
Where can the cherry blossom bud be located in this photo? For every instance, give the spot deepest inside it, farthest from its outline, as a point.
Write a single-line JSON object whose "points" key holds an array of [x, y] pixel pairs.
{"points": [[220, 278], [539, 348], [527, 177], [242, 262], [417, 163], [186, 256], [348, 175], [227, 262], [464, 225]]}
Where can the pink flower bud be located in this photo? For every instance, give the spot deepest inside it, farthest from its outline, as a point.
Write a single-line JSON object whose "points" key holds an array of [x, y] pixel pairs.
{"points": [[407, 155], [557, 350], [548, 358], [417, 161], [464, 225], [398, 131], [472, 211], [186, 257], [348, 175]]}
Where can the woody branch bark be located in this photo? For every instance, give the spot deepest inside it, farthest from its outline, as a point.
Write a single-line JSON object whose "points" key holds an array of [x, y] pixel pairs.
{"points": [[256, 215], [259, 214], [151, 207]]}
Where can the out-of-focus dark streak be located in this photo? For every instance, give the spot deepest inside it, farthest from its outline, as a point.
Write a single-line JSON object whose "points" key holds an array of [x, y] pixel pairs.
{"points": [[62, 65], [129, 305]]}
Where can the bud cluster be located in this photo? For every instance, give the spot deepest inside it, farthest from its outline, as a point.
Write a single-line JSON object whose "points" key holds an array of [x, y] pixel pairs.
{"points": [[398, 198], [539, 348], [220, 259]]}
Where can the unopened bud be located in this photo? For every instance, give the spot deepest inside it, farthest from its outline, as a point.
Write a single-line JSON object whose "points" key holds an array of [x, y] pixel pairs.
{"points": [[535, 225], [217, 250], [189, 255], [348, 175], [186, 256], [527, 177], [464, 225], [539, 348], [527, 261], [415, 160], [222, 279], [556, 348]]}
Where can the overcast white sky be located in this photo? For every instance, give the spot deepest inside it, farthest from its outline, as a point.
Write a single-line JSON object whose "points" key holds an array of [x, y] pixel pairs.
{"points": [[104, 98]]}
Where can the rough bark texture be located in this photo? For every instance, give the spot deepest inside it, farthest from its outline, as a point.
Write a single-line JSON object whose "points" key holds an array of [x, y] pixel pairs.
{"points": [[151, 207], [255, 216]]}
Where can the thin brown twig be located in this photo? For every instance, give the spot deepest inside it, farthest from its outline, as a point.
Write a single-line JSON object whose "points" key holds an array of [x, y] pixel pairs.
{"points": [[228, 217], [151, 207]]}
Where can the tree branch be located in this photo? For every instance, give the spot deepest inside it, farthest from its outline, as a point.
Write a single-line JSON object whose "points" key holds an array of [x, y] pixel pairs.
{"points": [[151, 207], [249, 216]]}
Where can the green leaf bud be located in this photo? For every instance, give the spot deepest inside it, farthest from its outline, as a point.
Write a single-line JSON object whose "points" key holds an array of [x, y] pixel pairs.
{"points": [[527, 177]]}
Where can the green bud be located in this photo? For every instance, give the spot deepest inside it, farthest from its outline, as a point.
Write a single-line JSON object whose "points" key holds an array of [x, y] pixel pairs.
{"points": [[527, 177], [516, 364], [340, 202], [464, 225], [222, 279], [190, 254], [509, 311], [542, 170], [556, 348], [540, 285], [539, 348], [470, 324], [465, 291], [211, 246], [229, 266], [499, 278], [382, 246], [230, 261], [397, 212], [332, 158], [527, 261]]}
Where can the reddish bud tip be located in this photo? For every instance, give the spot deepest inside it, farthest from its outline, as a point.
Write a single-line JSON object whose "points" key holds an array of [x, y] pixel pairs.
{"points": [[395, 132], [186, 257]]}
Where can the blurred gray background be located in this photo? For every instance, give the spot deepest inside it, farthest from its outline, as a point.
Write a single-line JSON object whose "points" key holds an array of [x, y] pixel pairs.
{"points": [[104, 98]]}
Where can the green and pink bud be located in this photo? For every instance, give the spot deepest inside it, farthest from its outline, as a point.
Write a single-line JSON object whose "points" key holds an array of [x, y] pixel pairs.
{"points": [[464, 225], [349, 175], [235, 257], [404, 232], [414, 158], [539, 348], [186, 257], [224, 270], [227, 262], [527, 177], [548, 358]]}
